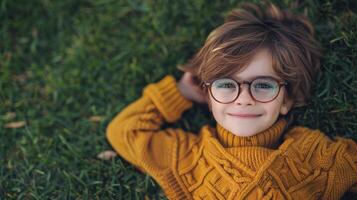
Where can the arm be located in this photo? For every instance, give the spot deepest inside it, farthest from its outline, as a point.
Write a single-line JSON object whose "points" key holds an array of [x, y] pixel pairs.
{"points": [[348, 173], [336, 156], [136, 134], [344, 170]]}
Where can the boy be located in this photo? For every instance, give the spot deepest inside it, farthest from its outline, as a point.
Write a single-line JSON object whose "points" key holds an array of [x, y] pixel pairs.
{"points": [[253, 69]]}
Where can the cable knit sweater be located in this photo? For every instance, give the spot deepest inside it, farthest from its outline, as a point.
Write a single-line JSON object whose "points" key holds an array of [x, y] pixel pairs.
{"points": [[215, 164]]}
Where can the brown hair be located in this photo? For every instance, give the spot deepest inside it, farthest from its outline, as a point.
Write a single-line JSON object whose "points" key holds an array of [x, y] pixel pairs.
{"points": [[288, 37]]}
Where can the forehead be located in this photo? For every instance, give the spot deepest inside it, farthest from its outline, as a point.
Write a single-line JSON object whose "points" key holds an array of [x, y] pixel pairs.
{"points": [[261, 65]]}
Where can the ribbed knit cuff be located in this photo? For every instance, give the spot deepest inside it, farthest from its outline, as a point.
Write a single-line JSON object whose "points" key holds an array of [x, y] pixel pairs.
{"points": [[168, 98]]}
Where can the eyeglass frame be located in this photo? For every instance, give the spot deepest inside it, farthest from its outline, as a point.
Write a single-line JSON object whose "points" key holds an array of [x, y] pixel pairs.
{"points": [[240, 83]]}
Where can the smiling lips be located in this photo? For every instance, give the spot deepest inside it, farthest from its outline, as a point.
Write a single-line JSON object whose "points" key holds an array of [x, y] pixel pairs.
{"points": [[244, 115]]}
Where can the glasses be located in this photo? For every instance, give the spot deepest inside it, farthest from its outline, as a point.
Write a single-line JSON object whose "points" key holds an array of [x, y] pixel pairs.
{"points": [[261, 89]]}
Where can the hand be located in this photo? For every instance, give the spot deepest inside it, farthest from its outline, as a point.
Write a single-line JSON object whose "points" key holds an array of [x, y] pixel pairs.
{"points": [[189, 88]]}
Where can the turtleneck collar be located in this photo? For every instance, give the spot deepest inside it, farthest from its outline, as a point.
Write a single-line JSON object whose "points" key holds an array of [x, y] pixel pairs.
{"points": [[267, 138]]}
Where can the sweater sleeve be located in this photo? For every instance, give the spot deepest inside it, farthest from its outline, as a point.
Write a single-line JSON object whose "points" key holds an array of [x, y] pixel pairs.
{"points": [[136, 134], [350, 171], [337, 156], [343, 154]]}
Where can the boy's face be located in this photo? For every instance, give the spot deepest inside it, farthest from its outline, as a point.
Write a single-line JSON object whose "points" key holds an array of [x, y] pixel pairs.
{"points": [[245, 116]]}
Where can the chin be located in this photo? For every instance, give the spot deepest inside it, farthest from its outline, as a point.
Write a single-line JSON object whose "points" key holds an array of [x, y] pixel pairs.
{"points": [[244, 131]]}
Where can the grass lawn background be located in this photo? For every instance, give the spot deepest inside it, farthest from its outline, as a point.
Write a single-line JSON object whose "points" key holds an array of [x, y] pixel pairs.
{"points": [[67, 67]]}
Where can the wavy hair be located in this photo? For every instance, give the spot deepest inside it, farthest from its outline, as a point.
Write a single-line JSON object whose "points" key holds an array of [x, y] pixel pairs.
{"points": [[288, 37]]}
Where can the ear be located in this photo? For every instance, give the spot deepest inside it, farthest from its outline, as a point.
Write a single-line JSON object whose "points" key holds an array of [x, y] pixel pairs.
{"points": [[286, 106]]}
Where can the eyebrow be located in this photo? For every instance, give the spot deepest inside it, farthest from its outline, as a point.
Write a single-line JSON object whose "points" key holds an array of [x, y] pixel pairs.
{"points": [[255, 77]]}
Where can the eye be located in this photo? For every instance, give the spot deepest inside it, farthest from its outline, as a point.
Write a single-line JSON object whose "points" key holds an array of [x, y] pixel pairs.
{"points": [[264, 86], [226, 85]]}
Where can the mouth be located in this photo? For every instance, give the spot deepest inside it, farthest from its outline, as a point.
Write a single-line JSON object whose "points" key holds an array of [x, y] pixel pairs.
{"points": [[244, 115]]}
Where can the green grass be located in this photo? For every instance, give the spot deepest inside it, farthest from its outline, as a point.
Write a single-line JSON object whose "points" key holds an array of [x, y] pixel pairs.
{"points": [[62, 62]]}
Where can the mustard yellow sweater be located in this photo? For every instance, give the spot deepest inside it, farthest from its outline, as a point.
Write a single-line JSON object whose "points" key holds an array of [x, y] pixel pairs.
{"points": [[215, 164]]}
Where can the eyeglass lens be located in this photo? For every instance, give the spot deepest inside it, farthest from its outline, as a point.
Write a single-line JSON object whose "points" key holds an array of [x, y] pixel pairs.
{"points": [[226, 90]]}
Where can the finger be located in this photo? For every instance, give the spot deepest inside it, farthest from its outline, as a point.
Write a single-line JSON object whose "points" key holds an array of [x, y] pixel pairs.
{"points": [[186, 76], [193, 79]]}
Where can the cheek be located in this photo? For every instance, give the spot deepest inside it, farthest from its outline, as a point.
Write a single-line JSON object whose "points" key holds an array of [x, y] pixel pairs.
{"points": [[273, 110], [217, 109], [274, 107]]}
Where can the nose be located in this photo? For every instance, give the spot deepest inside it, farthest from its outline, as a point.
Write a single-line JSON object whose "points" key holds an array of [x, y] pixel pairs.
{"points": [[244, 97]]}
